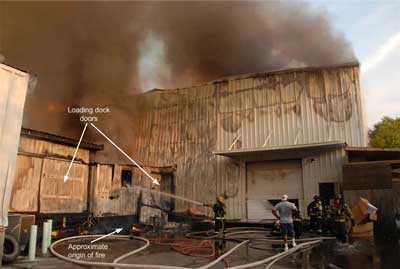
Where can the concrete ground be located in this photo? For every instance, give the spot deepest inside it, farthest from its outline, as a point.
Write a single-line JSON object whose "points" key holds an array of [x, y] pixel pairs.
{"points": [[42, 263], [359, 254]]}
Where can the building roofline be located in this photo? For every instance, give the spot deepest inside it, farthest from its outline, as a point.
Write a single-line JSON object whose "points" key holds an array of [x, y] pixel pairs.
{"points": [[225, 79], [285, 71], [369, 149], [30, 133]]}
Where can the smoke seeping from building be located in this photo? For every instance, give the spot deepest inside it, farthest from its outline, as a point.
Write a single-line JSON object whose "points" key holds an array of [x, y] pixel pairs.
{"points": [[103, 53]]}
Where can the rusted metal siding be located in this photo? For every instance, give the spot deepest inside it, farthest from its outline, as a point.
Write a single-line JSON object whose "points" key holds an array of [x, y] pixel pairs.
{"points": [[57, 196], [184, 126], [13, 88], [25, 191]]}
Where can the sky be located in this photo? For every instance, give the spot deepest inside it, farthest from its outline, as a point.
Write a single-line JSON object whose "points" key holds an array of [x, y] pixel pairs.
{"points": [[373, 29]]}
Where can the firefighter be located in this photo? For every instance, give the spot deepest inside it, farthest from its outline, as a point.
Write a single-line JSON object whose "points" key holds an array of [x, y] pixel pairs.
{"points": [[297, 223], [341, 213], [327, 220], [314, 211], [219, 213], [219, 224]]}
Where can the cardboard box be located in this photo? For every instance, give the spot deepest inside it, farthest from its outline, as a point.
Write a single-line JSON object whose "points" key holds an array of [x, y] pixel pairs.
{"points": [[363, 230], [363, 210]]}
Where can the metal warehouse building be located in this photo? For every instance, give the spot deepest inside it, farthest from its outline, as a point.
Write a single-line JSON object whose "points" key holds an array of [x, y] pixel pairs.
{"points": [[255, 137]]}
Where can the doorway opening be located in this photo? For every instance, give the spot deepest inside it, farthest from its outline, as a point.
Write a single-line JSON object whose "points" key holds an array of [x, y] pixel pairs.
{"points": [[326, 192]]}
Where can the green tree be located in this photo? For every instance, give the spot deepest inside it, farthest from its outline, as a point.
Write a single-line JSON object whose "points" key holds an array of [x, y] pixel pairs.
{"points": [[386, 133]]}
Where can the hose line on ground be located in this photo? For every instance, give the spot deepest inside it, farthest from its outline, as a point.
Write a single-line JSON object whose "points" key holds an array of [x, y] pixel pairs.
{"points": [[272, 258], [116, 262]]}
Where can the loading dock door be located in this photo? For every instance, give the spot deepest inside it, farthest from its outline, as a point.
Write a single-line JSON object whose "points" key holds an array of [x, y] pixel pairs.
{"points": [[269, 181], [57, 196]]}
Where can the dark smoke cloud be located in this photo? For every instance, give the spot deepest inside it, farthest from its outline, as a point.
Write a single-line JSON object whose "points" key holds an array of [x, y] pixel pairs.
{"points": [[88, 53], [208, 41]]}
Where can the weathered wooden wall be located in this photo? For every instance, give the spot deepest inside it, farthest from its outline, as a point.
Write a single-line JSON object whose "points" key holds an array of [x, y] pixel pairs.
{"points": [[106, 183], [57, 196], [39, 180], [183, 127], [375, 181], [26, 184], [39, 185], [45, 149]]}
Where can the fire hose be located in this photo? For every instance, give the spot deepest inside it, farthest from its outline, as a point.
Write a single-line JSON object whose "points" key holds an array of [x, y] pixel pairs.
{"points": [[116, 263]]}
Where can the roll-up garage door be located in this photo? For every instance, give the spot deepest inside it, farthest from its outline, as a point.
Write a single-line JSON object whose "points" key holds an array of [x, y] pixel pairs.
{"points": [[267, 182]]}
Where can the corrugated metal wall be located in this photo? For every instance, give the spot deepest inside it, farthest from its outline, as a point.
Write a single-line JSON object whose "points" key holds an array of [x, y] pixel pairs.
{"points": [[323, 168], [290, 108], [180, 129], [184, 126]]}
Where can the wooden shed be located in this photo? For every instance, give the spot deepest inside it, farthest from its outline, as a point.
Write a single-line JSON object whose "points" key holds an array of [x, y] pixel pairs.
{"points": [[101, 189], [42, 162]]}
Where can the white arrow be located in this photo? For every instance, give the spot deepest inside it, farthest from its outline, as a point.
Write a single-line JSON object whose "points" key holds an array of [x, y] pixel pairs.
{"points": [[155, 181], [104, 236], [76, 150]]}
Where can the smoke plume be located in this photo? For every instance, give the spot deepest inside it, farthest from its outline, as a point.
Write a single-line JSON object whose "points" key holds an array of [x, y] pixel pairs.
{"points": [[103, 53]]}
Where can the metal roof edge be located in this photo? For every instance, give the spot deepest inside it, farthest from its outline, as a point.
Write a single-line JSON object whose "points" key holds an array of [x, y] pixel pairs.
{"points": [[227, 78], [284, 71], [358, 149], [337, 144]]}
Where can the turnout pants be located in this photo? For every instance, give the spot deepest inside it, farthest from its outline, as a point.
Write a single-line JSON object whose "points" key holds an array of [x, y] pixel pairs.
{"points": [[219, 225], [339, 229], [316, 223]]}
